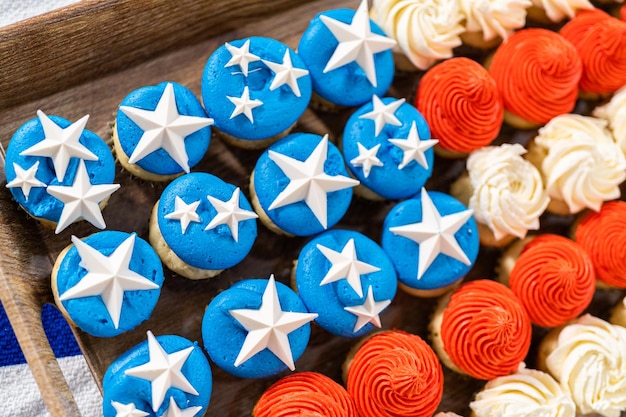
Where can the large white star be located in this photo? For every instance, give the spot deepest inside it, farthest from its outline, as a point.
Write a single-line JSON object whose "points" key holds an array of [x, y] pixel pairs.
{"points": [[243, 104], [368, 312], [185, 213], [366, 158], [81, 199], [127, 410], [174, 411], [164, 371], [383, 114], [345, 265], [308, 181], [164, 128], [229, 213], [25, 179], [414, 148], [435, 234], [241, 56], [286, 73], [60, 144], [356, 43], [269, 327]]}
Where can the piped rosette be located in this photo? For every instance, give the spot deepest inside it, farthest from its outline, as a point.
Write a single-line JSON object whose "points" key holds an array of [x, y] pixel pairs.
{"points": [[614, 112]]}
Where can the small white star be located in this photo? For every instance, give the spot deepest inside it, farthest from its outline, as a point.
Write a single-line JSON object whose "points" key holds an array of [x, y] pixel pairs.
{"points": [[435, 234], [414, 148], [286, 73], [164, 128], [60, 144], [81, 199], [243, 104], [174, 411], [229, 213], [345, 265], [185, 213], [241, 56], [367, 159], [164, 371], [356, 43], [368, 312], [383, 114], [269, 327], [308, 181], [25, 179], [127, 410]]}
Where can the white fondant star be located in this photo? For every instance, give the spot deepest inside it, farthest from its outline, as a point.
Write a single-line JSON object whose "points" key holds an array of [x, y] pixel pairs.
{"points": [[356, 43], [367, 159], [108, 277], [414, 148], [25, 179], [435, 234], [269, 327], [174, 411], [383, 114], [81, 199], [127, 410], [241, 56], [243, 104], [345, 265], [368, 312], [185, 213], [286, 73], [60, 144], [308, 181], [229, 213], [164, 128], [164, 371]]}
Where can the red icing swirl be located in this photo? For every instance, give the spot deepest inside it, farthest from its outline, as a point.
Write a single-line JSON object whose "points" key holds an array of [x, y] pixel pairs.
{"points": [[395, 374], [485, 330], [305, 394], [461, 104], [600, 40], [537, 73], [554, 280], [622, 13], [603, 236]]}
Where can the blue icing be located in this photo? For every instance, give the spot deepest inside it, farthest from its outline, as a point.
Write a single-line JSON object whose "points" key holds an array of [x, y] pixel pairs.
{"points": [[388, 181], [212, 249], [404, 252], [269, 181], [147, 98], [90, 313], [281, 108], [40, 204], [329, 300], [125, 389], [347, 85], [224, 336]]}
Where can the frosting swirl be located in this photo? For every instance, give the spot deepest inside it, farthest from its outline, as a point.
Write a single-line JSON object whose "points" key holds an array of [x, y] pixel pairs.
{"points": [[557, 10], [615, 113], [622, 13], [494, 17], [485, 330], [554, 280], [395, 374], [537, 73], [461, 103]]}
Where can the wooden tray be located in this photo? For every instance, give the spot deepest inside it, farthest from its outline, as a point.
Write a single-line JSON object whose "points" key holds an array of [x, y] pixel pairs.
{"points": [[84, 59]]}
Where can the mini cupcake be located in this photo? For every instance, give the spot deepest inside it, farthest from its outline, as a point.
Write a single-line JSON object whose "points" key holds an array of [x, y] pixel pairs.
{"points": [[432, 240], [161, 132], [300, 185], [614, 112], [618, 314], [59, 172], [107, 283], [202, 225], [387, 147], [481, 330], [488, 22], [256, 89], [554, 11]]}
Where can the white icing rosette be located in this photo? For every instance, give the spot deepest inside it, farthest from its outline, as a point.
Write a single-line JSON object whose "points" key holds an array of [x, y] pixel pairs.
{"points": [[615, 113], [494, 17], [557, 10]]}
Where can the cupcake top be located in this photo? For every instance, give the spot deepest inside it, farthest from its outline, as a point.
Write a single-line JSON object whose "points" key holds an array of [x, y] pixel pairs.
{"points": [[615, 113], [557, 10], [394, 373], [494, 18]]}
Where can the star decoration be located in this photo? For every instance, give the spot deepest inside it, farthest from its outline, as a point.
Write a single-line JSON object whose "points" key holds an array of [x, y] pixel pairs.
{"points": [[243, 105], [60, 144], [308, 181], [435, 234], [286, 73], [164, 371], [357, 43], [174, 411], [229, 213], [269, 327], [383, 114], [345, 265], [368, 312], [25, 179], [185, 213], [81, 199], [414, 148], [241, 56], [164, 128], [367, 159], [127, 410]]}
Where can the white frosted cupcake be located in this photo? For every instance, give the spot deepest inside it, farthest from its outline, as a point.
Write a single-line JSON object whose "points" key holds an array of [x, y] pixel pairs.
{"points": [[547, 11], [614, 112], [490, 21]]}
